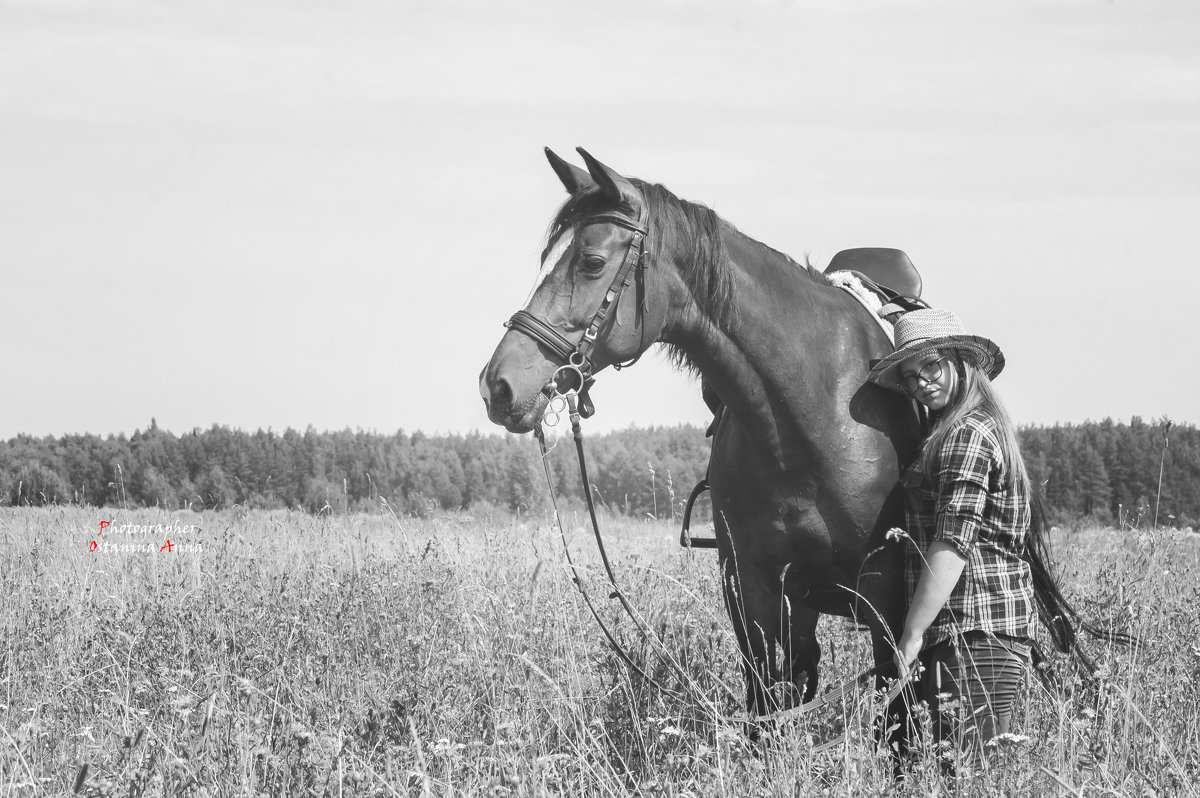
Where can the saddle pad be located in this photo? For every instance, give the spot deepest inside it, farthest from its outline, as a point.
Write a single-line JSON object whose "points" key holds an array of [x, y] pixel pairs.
{"points": [[853, 286]]}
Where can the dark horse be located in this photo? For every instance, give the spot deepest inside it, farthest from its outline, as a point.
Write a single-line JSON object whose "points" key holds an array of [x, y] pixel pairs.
{"points": [[806, 457]]}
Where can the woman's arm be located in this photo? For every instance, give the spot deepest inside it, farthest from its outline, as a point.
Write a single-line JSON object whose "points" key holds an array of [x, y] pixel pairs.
{"points": [[943, 567]]}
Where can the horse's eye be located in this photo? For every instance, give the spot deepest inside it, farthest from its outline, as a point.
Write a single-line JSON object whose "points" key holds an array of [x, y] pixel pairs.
{"points": [[593, 263]]}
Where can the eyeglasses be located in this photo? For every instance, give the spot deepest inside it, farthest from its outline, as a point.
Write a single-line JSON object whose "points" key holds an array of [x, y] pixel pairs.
{"points": [[930, 372]]}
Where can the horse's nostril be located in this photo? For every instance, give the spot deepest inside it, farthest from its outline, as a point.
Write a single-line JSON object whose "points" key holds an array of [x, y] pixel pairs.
{"points": [[501, 394]]}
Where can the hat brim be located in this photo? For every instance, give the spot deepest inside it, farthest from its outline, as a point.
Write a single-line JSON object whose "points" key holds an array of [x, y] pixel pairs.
{"points": [[986, 356]]}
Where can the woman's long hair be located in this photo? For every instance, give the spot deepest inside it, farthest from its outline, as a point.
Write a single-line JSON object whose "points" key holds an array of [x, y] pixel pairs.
{"points": [[975, 391]]}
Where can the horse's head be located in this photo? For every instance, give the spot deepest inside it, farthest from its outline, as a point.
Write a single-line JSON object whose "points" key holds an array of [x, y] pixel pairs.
{"points": [[592, 305]]}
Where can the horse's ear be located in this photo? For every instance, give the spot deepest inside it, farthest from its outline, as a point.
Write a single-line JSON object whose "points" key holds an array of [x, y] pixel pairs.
{"points": [[609, 181], [573, 178]]}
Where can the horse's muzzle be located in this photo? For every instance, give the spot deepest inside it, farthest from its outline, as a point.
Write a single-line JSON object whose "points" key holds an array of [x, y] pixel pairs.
{"points": [[515, 414]]}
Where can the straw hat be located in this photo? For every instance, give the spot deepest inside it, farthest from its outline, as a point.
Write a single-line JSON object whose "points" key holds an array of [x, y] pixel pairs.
{"points": [[920, 332]]}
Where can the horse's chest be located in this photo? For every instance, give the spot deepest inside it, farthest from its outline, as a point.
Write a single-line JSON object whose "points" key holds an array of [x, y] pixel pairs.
{"points": [[793, 515]]}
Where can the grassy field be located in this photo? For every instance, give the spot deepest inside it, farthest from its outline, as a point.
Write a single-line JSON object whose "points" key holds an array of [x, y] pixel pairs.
{"points": [[285, 654]]}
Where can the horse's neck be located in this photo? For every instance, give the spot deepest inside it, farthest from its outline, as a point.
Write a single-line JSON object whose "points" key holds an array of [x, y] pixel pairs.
{"points": [[774, 362]]}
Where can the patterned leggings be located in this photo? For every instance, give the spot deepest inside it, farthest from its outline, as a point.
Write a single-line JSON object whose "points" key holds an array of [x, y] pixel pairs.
{"points": [[971, 684]]}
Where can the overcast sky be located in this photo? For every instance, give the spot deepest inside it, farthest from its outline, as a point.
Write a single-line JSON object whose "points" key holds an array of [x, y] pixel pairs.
{"points": [[273, 214]]}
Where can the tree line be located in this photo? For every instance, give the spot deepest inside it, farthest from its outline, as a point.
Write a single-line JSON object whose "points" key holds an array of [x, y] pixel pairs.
{"points": [[1107, 471]]}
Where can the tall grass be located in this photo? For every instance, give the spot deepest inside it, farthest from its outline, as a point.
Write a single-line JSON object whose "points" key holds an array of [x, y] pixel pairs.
{"points": [[376, 655]]}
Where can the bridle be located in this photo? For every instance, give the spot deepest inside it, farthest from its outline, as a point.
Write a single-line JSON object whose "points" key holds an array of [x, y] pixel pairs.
{"points": [[578, 355]]}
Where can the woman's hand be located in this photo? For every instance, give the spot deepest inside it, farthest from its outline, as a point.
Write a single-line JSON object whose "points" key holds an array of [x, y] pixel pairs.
{"points": [[906, 653]]}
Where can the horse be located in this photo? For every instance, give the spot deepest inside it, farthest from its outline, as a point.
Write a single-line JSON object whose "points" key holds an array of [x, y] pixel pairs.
{"points": [[806, 456]]}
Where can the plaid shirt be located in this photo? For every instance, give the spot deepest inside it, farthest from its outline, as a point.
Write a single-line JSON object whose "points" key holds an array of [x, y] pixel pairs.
{"points": [[971, 508]]}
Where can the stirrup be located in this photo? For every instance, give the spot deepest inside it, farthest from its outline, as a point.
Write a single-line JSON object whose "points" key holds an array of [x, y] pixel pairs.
{"points": [[685, 537]]}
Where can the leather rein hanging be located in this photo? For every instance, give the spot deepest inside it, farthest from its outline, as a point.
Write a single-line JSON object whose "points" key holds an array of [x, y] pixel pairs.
{"points": [[567, 384]]}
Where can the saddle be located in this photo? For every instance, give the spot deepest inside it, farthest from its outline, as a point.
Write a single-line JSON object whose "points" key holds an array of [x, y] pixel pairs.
{"points": [[885, 271]]}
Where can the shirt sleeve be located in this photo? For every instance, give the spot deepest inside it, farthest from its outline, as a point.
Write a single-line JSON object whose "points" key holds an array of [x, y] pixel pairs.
{"points": [[964, 468]]}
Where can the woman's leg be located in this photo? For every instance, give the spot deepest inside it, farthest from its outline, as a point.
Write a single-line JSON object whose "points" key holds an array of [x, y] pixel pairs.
{"points": [[971, 684]]}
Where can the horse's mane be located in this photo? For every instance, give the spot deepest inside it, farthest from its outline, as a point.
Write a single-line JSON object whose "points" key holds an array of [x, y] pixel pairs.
{"points": [[693, 231]]}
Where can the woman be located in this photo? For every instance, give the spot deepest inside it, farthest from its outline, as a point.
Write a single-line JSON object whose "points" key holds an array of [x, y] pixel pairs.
{"points": [[972, 597]]}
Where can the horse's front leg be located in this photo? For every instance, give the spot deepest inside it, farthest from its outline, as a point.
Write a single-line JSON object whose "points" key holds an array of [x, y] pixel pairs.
{"points": [[882, 607], [750, 608], [800, 649], [777, 638]]}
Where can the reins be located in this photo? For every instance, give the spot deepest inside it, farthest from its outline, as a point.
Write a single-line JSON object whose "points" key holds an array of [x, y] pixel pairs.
{"points": [[572, 400]]}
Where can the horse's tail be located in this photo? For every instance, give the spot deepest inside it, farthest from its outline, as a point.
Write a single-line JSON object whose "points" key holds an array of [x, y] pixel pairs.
{"points": [[1059, 616]]}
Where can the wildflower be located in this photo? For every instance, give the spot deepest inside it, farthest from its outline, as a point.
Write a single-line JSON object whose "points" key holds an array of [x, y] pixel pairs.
{"points": [[445, 747], [728, 734], [1008, 738], [896, 534]]}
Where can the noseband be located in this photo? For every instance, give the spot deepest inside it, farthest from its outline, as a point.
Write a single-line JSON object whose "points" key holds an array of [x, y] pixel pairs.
{"points": [[578, 355]]}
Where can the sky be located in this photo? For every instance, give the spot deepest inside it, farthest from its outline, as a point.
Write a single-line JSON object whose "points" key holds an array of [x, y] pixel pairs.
{"points": [[270, 214]]}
